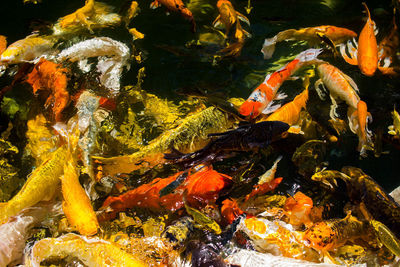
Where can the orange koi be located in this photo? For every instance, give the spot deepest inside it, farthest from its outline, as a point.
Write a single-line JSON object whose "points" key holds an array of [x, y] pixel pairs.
{"points": [[335, 34], [230, 210], [176, 6], [331, 234], [260, 101], [340, 87], [358, 120], [298, 208], [3, 43], [52, 77], [290, 112], [201, 187], [229, 17], [366, 56]]}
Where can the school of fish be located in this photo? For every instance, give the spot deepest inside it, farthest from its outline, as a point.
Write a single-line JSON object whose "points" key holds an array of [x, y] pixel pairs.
{"points": [[99, 170]]}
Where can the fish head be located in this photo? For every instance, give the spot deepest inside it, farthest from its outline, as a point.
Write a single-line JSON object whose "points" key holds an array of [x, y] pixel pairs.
{"points": [[368, 69], [11, 55], [279, 129], [320, 236]]}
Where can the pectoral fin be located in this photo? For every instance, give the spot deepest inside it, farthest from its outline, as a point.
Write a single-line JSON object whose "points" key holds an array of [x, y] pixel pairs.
{"points": [[243, 18]]}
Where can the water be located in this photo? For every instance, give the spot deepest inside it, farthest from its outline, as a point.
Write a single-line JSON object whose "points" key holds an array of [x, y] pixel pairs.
{"points": [[174, 63]]}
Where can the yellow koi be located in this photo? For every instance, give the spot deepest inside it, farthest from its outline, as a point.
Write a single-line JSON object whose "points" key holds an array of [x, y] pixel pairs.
{"points": [[27, 49], [76, 203], [92, 15], [90, 251], [395, 128], [41, 185], [190, 135]]}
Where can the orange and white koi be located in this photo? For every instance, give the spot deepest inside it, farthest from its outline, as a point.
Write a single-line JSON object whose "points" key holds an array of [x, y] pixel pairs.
{"points": [[27, 49], [336, 34], [366, 56], [260, 101], [342, 87], [176, 6]]}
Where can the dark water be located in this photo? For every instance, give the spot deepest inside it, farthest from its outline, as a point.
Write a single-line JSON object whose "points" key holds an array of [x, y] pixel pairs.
{"points": [[170, 65]]}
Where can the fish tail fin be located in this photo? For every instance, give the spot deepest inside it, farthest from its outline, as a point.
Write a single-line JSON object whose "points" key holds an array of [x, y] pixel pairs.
{"points": [[217, 21], [366, 9], [268, 48], [352, 116], [243, 18], [174, 154], [251, 108], [309, 55], [269, 43], [190, 159], [114, 165]]}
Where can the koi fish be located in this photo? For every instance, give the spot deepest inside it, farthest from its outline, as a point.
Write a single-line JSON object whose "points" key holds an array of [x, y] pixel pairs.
{"points": [[358, 120], [331, 234], [90, 251], [76, 204], [190, 135], [245, 138], [230, 210], [14, 233], [176, 6], [3, 43], [298, 208], [201, 187], [362, 188], [52, 77], [276, 237], [395, 128], [92, 15], [336, 34], [290, 112], [27, 49], [112, 56], [340, 86], [41, 185], [79, 16], [260, 101], [366, 56], [229, 17]]}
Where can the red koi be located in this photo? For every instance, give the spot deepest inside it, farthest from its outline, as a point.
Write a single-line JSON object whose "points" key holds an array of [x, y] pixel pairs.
{"points": [[201, 188]]}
